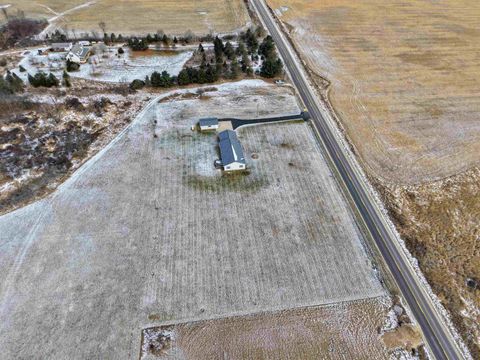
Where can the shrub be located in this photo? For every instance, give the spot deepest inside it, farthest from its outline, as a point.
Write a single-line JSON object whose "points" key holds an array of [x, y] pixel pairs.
{"points": [[137, 84], [43, 80], [73, 103], [137, 44], [72, 66], [161, 80], [10, 84]]}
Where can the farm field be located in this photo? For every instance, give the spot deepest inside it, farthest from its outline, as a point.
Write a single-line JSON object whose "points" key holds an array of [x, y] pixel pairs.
{"points": [[339, 331], [403, 79], [403, 85], [147, 232], [173, 17]]}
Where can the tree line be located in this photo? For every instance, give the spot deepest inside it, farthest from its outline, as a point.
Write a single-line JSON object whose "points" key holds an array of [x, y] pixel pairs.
{"points": [[226, 63]]}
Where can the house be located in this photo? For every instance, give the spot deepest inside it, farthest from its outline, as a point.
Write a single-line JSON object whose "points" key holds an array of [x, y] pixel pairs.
{"points": [[79, 54], [61, 47], [207, 124], [231, 152]]}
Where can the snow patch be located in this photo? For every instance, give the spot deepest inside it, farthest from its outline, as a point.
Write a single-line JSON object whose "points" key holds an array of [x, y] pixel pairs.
{"points": [[402, 354], [107, 66]]}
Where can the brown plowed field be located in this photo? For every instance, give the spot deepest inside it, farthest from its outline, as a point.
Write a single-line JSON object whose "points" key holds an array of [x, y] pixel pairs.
{"points": [[338, 331], [404, 79]]}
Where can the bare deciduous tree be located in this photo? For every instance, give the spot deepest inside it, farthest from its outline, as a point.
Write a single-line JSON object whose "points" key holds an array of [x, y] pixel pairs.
{"points": [[102, 26]]}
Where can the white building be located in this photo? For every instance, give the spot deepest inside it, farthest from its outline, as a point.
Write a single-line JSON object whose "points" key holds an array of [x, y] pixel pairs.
{"points": [[208, 124], [231, 152]]}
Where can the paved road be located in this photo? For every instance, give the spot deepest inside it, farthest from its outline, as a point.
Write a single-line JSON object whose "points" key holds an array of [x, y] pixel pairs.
{"points": [[438, 337], [236, 123]]}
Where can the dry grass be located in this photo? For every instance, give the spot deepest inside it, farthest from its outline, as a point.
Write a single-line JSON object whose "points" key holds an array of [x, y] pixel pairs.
{"points": [[403, 83], [339, 331], [439, 222], [403, 79], [141, 17]]}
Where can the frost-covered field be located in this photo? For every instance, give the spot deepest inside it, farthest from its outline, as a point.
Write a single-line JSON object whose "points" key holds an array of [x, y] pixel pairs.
{"points": [[148, 232], [106, 66], [338, 331]]}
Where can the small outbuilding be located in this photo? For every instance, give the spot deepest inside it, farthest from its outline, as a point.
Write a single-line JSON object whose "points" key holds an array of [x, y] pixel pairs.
{"points": [[207, 124], [61, 47], [231, 152]]}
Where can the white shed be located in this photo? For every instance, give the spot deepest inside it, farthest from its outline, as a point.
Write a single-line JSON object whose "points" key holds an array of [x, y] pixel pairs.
{"points": [[207, 124]]}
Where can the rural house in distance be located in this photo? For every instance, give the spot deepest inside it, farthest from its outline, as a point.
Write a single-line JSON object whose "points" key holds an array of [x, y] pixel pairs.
{"points": [[79, 54]]}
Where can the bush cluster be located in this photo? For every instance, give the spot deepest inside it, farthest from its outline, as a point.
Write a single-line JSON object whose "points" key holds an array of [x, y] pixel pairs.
{"points": [[41, 79], [10, 84]]}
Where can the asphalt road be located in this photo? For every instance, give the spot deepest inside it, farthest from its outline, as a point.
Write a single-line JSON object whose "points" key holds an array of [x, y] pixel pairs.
{"points": [[440, 340], [236, 123]]}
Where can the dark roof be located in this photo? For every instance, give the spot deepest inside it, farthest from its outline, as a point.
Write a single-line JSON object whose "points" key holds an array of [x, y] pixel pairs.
{"points": [[61, 45], [230, 148], [208, 121]]}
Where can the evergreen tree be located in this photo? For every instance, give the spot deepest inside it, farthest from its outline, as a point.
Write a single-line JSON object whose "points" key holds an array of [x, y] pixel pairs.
{"points": [[271, 67], [52, 81], [229, 51], [13, 82], [203, 64], [161, 80], [183, 77], [165, 40], [41, 79], [201, 76], [218, 49], [267, 47], [211, 74], [234, 69], [241, 49], [251, 41]]}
